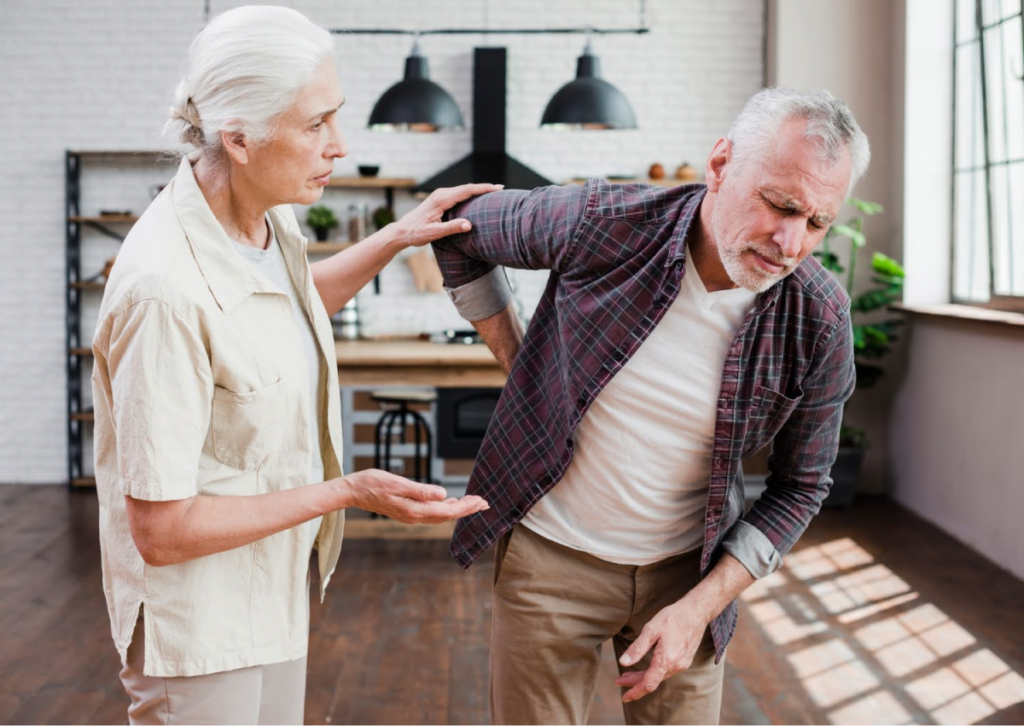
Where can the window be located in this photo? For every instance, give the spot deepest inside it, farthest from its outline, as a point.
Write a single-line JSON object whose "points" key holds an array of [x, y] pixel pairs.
{"points": [[988, 153]]}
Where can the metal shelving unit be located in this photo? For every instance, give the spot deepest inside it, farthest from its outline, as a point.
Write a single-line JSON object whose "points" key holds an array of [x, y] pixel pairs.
{"points": [[77, 416]]}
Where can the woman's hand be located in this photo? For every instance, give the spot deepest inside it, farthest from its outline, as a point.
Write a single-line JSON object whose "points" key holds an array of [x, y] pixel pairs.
{"points": [[423, 224], [406, 501]]}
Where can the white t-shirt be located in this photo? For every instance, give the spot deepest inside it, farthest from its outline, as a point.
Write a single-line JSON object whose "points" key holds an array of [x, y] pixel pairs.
{"points": [[270, 263], [636, 489]]}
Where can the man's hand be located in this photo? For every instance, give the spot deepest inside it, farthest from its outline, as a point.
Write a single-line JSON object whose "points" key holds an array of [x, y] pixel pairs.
{"points": [[406, 501], [675, 634]]}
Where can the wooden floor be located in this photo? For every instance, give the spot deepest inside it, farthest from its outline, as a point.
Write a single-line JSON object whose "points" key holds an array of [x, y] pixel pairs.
{"points": [[877, 617]]}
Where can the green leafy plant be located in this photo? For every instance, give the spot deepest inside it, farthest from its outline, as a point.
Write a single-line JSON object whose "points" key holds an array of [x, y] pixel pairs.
{"points": [[321, 218], [873, 338], [383, 216]]}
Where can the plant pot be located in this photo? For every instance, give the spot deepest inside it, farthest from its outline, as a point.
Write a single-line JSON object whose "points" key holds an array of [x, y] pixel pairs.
{"points": [[321, 234], [845, 473]]}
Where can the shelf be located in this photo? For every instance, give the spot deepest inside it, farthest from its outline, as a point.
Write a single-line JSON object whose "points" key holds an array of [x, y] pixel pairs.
{"points": [[105, 218], [83, 416], [371, 182], [125, 153], [326, 248], [81, 351], [87, 285], [84, 482]]}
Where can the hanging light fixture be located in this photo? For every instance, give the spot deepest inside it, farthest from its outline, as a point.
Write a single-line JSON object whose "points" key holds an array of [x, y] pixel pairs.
{"points": [[589, 102], [415, 103]]}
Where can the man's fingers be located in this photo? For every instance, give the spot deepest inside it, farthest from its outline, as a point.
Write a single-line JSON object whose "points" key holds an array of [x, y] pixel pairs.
{"points": [[630, 678], [647, 683], [639, 647]]}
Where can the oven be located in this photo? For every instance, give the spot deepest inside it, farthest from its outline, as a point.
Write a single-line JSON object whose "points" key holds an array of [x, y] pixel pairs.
{"points": [[463, 415]]}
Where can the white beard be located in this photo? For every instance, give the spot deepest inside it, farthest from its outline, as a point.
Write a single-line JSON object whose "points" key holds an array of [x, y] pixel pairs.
{"points": [[745, 275]]}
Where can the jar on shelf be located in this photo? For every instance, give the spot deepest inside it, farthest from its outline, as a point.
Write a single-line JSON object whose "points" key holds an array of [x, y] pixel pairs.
{"points": [[356, 223]]}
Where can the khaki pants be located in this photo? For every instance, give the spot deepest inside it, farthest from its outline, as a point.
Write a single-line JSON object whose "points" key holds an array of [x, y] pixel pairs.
{"points": [[554, 607], [269, 694]]}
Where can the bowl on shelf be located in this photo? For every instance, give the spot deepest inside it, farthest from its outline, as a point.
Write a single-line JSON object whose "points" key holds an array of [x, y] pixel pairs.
{"points": [[366, 170]]}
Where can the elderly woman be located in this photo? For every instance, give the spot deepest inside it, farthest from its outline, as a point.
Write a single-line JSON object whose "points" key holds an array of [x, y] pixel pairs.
{"points": [[218, 440]]}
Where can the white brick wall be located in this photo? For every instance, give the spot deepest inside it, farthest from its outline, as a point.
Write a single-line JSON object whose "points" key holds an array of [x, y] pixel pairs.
{"points": [[98, 74]]}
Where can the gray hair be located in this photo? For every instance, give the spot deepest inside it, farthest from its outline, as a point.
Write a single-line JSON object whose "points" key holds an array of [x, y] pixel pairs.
{"points": [[830, 125], [243, 72]]}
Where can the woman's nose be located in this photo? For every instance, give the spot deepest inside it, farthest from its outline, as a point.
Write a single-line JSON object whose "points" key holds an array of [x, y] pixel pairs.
{"points": [[337, 148]]}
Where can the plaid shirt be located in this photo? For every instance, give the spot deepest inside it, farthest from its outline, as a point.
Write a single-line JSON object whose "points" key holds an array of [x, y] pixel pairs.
{"points": [[617, 254]]}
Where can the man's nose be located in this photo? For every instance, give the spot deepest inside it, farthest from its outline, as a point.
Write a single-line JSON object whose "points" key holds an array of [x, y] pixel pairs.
{"points": [[789, 236]]}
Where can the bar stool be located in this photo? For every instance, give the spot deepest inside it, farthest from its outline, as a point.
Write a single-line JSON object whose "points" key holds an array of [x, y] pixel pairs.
{"points": [[402, 398]]}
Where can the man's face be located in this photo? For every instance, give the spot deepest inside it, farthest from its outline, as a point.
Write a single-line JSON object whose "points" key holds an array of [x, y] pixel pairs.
{"points": [[770, 213]]}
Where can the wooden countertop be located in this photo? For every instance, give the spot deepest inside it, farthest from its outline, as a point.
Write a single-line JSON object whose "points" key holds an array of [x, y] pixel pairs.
{"points": [[416, 363], [357, 353]]}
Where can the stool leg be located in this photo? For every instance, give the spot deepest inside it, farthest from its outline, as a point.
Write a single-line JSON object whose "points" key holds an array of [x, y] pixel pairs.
{"points": [[420, 422], [416, 454], [377, 440]]}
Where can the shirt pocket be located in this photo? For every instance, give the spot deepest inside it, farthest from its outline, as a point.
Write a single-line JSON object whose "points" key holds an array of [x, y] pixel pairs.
{"points": [[244, 424], [770, 412]]}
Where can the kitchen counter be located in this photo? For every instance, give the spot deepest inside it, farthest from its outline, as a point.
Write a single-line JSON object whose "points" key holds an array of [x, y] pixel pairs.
{"points": [[416, 363]]}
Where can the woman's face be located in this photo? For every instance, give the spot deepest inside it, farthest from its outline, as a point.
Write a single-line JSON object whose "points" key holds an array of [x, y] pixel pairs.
{"points": [[296, 165]]}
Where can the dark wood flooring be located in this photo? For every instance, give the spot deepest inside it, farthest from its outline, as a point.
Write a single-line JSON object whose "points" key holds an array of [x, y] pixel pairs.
{"points": [[877, 617]]}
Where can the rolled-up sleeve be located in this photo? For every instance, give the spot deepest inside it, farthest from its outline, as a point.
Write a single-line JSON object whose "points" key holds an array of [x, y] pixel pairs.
{"points": [[161, 390], [524, 230], [801, 460], [482, 298]]}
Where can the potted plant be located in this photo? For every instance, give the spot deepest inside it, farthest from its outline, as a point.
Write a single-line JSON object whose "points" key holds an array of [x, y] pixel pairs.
{"points": [[383, 216], [321, 220], [873, 338]]}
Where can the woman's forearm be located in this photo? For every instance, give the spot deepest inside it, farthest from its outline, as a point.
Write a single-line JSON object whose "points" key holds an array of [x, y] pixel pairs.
{"points": [[167, 533], [341, 276]]}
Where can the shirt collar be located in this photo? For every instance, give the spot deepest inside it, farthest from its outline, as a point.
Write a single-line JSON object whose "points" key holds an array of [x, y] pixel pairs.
{"points": [[230, 278], [687, 225]]}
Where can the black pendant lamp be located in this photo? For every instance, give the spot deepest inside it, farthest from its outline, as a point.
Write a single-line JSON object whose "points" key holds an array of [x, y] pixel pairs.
{"points": [[415, 103], [589, 102]]}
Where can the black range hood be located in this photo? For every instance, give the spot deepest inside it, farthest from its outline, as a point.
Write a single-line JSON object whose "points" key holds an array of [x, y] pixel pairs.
{"points": [[487, 162]]}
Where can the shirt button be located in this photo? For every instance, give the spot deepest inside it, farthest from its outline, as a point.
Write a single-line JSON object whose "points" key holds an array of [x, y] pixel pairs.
{"points": [[660, 302], [718, 461], [568, 442], [581, 402]]}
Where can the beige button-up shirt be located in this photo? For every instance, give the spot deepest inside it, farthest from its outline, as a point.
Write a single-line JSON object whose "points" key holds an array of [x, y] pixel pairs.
{"points": [[201, 387]]}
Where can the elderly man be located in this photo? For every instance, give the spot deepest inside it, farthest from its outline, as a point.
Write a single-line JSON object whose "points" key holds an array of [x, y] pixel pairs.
{"points": [[681, 330]]}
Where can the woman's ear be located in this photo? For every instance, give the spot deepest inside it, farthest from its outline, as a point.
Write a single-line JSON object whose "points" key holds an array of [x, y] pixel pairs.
{"points": [[718, 163], [236, 146]]}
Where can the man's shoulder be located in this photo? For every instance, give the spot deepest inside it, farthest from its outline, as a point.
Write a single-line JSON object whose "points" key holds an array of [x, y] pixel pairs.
{"points": [[812, 280], [645, 203]]}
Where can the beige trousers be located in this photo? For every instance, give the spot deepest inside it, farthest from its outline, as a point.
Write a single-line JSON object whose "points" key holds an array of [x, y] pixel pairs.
{"points": [[554, 607], [268, 694]]}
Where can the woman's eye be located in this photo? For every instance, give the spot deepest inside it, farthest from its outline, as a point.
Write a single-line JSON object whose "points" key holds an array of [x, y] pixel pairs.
{"points": [[316, 126]]}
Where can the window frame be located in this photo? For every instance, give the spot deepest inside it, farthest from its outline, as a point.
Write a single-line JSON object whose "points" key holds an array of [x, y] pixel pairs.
{"points": [[1009, 303]]}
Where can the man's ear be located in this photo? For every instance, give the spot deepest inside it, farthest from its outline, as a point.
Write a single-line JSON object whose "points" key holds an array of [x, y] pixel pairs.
{"points": [[236, 146], [718, 164]]}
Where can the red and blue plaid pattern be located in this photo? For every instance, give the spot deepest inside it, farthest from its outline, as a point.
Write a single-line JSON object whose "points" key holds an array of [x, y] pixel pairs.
{"points": [[616, 254]]}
